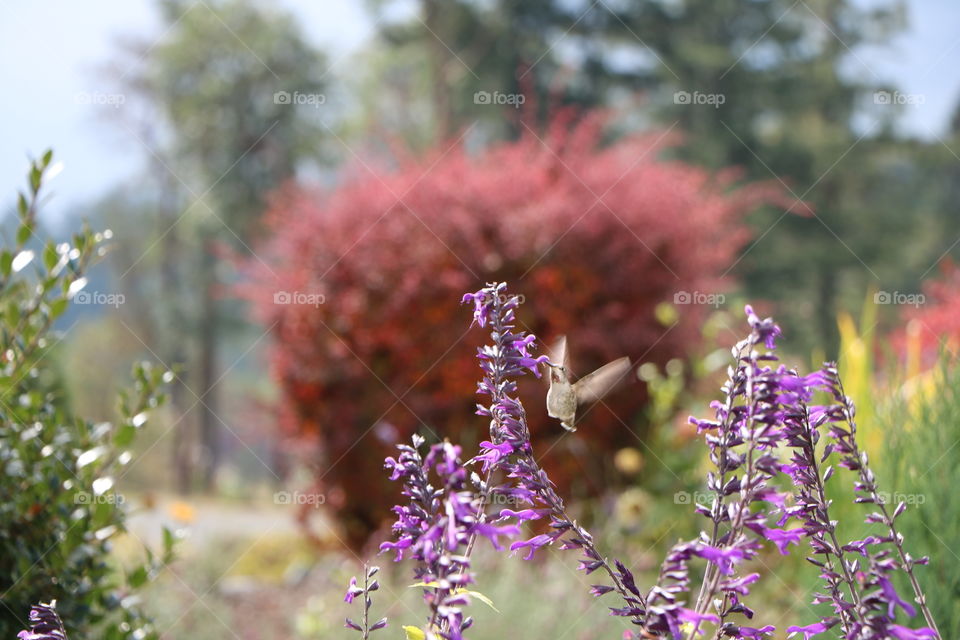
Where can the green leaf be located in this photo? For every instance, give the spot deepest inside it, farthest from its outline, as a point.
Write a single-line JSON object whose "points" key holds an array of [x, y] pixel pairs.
{"points": [[6, 263], [50, 256], [47, 157], [138, 577], [168, 541], [24, 233], [58, 306], [36, 178], [482, 598], [125, 435], [414, 633]]}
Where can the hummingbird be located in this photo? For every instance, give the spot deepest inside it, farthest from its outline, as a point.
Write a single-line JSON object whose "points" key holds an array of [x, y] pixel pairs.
{"points": [[565, 396]]}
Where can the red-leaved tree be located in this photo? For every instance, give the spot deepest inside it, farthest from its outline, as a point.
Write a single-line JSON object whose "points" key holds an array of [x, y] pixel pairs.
{"points": [[362, 285], [933, 322]]}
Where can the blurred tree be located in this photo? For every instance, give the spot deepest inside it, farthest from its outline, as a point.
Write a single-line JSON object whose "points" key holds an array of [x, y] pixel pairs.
{"points": [[227, 93], [776, 87], [432, 73]]}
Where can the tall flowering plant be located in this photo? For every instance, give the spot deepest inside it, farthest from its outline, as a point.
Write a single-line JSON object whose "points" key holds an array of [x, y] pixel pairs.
{"points": [[773, 450]]}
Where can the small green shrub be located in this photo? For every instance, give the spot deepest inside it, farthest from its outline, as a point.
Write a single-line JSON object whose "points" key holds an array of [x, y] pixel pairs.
{"points": [[58, 507]]}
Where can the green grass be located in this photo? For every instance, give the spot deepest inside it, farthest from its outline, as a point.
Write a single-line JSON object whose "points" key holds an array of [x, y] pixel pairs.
{"points": [[922, 442]]}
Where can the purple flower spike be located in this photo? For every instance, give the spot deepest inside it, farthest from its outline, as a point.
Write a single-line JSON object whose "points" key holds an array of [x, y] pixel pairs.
{"points": [[370, 585], [438, 527], [509, 452], [45, 624]]}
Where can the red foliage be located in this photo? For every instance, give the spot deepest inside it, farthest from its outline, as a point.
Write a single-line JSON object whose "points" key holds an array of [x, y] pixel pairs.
{"points": [[934, 324], [593, 237]]}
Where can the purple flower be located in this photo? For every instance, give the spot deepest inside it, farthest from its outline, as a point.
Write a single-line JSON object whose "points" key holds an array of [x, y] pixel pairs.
{"points": [[45, 624], [724, 559], [905, 633], [754, 632], [689, 615], [480, 309], [352, 591], [532, 544], [894, 599], [783, 537], [809, 630], [860, 546], [524, 514], [766, 330]]}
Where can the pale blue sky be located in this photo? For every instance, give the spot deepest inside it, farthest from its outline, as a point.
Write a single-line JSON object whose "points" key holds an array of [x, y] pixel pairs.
{"points": [[52, 50]]}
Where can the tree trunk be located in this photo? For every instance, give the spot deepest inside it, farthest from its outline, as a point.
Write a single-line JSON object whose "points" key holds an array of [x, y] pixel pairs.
{"points": [[827, 310], [209, 429], [439, 60]]}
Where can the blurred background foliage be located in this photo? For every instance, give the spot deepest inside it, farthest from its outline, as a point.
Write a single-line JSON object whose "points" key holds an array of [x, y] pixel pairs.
{"points": [[555, 143]]}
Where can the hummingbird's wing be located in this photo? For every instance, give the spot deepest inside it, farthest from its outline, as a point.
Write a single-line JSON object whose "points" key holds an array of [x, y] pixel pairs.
{"points": [[594, 386], [558, 352]]}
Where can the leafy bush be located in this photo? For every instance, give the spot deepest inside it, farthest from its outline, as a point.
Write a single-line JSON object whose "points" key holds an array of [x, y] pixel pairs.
{"points": [[356, 285], [58, 508]]}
